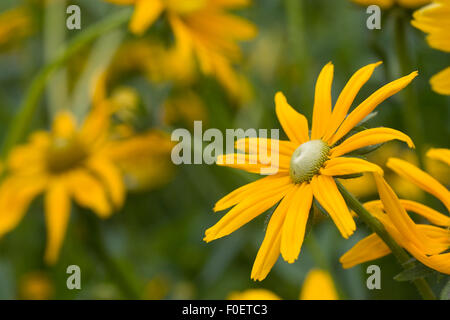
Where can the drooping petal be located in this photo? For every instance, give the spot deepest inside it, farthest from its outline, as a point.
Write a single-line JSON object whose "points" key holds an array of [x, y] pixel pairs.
{"points": [[430, 214], [439, 262], [367, 249], [421, 179], [242, 193], [145, 14], [294, 124], [57, 212], [440, 154], [344, 166], [109, 174], [269, 251], [347, 97], [398, 216], [322, 102], [327, 194], [88, 192], [246, 211], [64, 125], [294, 225], [368, 105], [318, 285], [369, 137]]}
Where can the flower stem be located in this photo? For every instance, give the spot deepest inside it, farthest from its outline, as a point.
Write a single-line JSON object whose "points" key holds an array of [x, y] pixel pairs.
{"points": [[403, 258], [23, 118]]}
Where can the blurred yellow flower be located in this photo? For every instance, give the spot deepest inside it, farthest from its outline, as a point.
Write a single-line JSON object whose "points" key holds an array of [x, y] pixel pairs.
{"points": [[434, 20], [307, 167], [386, 4], [69, 162], [15, 24], [184, 108], [204, 29], [318, 285], [35, 285], [427, 243]]}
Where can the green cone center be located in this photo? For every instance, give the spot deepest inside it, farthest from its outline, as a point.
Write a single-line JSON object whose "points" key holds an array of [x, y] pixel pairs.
{"points": [[307, 160]]}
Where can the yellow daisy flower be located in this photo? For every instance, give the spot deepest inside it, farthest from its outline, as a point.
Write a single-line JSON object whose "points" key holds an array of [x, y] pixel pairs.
{"points": [[202, 28], [318, 285], [15, 24], [425, 242], [308, 163], [434, 20], [386, 4]]}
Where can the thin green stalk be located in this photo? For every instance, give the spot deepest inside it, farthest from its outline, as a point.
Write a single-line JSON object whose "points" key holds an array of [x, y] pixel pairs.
{"points": [[22, 120], [411, 111], [403, 258], [117, 275]]}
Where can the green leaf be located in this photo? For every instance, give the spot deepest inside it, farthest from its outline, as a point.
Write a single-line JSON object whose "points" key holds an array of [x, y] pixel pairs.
{"points": [[416, 272]]}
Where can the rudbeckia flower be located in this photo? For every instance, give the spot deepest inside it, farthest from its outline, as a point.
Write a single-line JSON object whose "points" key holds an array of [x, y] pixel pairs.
{"points": [[318, 285], [386, 4], [202, 28], [308, 163], [434, 20], [426, 242]]}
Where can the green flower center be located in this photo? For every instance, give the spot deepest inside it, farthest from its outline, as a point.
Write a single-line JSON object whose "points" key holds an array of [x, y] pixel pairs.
{"points": [[65, 154], [307, 160]]}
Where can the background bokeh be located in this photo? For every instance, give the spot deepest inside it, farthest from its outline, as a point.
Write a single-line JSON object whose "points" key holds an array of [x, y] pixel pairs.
{"points": [[155, 241]]}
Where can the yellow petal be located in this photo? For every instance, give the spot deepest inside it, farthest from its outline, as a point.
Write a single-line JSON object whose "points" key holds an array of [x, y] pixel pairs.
{"points": [[294, 225], [439, 262], [88, 192], [344, 166], [369, 137], [368, 105], [57, 212], [440, 154], [400, 219], [367, 249], [322, 102], [258, 145], [111, 178], [421, 179], [245, 211], [431, 215], [254, 294], [252, 163], [318, 285], [64, 125], [269, 251], [145, 14], [440, 82], [327, 194], [242, 193], [347, 97], [294, 124]]}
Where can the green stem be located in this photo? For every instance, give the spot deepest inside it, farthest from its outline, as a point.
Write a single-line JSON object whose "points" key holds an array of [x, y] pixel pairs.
{"points": [[22, 120], [411, 111], [403, 258], [114, 270]]}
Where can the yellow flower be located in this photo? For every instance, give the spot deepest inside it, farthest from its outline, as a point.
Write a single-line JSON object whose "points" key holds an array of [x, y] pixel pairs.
{"points": [[69, 162], [425, 242], [254, 294], [434, 20], [184, 108], [204, 29], [308, 164], [386, 4], [15, 24], [35, 285], [318, 285]]}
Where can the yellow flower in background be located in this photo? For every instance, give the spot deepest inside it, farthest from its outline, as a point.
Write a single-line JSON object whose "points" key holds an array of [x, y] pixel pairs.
{"points": [[15, 24], [434, 20], [386, 4], [318, 285], [427, 243], [184, 108], [35, 285], [204, 29], [253, 294], [67, 163], [308, 164]]}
